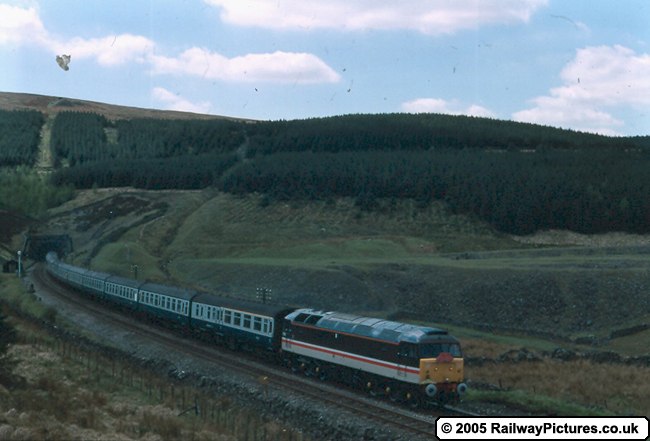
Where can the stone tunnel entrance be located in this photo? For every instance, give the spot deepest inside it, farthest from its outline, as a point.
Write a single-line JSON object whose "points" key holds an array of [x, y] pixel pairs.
{"points": [[37, 247]]}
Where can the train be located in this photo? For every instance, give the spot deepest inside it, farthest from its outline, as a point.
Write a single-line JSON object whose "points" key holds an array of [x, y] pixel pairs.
{"points": [[414, 365]]}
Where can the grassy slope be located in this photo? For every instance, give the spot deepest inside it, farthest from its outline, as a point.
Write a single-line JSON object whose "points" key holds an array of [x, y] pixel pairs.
{"points": [[333, 255], [401, 260]]}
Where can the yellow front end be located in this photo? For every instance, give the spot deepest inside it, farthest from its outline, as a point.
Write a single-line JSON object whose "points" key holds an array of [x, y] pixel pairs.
{"points": [[433, 371]]}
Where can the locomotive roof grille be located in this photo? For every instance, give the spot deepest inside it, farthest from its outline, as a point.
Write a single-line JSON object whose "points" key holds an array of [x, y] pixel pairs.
{"points": [[436, 332], [369, 327]]}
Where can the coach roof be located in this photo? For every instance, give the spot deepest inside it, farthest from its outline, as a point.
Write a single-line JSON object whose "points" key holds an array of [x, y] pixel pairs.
{"points": [[178, 293], [126, 281], [240, 305]]}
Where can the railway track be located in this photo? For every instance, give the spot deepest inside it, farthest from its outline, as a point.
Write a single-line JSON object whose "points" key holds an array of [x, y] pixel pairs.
{"points": [[421, 424]]}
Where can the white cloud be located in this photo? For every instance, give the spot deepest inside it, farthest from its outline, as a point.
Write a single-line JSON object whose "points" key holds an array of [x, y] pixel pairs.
{"points": [[434, 105], [175, 102], [113, 50], [427, 16], [596, 79], [24, 26], [19, 25], [281, 67]]}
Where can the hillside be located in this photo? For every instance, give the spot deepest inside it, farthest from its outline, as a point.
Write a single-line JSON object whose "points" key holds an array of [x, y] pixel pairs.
{"points": [[53, 105], [519, 178], [440, 268], [395, 215]]}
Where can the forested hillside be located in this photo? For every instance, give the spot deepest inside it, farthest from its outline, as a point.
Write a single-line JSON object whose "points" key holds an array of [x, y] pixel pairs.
{"points": [[81, 137], [19, 136], [517, 177], [416, 132], [516, 192]]}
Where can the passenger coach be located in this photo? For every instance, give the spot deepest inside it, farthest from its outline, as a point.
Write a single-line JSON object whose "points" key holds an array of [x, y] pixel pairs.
{"points": [[239, 321]]}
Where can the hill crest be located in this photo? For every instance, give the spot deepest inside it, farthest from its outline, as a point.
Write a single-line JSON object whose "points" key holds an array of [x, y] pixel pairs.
{"points": [[52, 105]]}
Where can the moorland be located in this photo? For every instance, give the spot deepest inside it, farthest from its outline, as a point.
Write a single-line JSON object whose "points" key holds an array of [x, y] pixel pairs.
{"points": [[510, 235]]}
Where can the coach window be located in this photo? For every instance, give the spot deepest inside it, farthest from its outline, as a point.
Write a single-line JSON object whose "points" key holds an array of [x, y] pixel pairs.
{"points": [[247, 321], [257, 324], [237, 319], [228, 317]]}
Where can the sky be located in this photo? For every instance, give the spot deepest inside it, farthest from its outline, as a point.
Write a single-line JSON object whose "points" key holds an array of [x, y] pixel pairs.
{"points": [[577, 64]]}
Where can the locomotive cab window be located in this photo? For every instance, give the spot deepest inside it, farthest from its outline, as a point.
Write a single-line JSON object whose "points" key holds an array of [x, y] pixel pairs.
{"points": [[433, 350]]}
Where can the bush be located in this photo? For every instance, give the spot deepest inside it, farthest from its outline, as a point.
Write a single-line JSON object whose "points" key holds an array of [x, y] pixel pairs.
{"points": [[31, 194], [7, 363]]}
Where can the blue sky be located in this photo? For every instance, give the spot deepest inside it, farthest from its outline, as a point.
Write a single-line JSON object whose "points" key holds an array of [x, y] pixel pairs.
{"points": [[579, 64]]}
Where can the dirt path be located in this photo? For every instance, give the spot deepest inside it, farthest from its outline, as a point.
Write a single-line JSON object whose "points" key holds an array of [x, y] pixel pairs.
{"points": [[45, 161]]}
